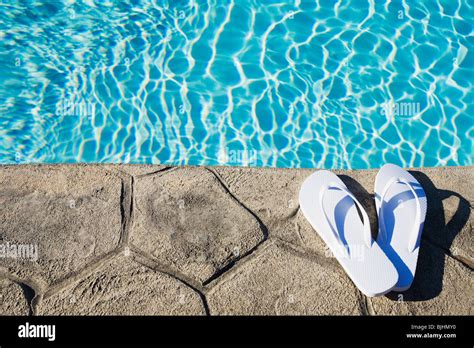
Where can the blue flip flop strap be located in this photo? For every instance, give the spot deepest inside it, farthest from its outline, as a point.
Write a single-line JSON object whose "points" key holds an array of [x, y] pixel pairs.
{"points": [[365, 218], [416, 226]]}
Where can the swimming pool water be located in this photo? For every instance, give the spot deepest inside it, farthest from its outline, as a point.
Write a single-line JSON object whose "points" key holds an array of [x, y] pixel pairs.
{"points": [[333, 84]]}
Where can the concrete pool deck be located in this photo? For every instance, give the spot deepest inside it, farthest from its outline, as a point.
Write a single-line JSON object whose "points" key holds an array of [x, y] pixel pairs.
{"points": [[156, 240]]}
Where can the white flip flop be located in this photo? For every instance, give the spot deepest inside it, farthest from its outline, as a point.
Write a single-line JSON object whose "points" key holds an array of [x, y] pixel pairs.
{"points": [[401, 206], [331, 209]]}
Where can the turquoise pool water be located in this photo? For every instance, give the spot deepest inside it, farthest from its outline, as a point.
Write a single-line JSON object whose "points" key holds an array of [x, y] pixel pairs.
{"points": [[333, 84]]}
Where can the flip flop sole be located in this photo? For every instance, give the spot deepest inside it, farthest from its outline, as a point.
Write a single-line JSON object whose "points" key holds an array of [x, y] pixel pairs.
{"points": [[367, 266], [402, 221]]}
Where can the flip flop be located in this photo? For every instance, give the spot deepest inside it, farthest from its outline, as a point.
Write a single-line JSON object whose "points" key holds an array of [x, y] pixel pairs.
{"points": [[332, 210], [401, 206]]}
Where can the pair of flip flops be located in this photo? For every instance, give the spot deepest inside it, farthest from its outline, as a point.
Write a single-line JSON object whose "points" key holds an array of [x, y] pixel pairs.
{"points": [[375, 266]]}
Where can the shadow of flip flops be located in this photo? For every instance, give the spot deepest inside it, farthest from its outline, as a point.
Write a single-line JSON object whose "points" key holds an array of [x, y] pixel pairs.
{"points": [[437, 235], [366, 200]]}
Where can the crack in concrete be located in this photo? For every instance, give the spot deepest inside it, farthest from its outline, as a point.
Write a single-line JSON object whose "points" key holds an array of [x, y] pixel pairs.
{"points": [[308, 253], [262, 226], [123, 212], [293, 213], [367, 305], [463, 261], [362, 302], [31, 291], [146, 260], [459, 258], [163, 268], [159, 171], [240, 260], [84, 272], [127, 207], [34, 293], [228, 273], [29, 294]]}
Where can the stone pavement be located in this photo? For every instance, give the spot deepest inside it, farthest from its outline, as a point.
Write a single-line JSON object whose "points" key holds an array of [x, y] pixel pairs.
{"points": [[156, 240]]}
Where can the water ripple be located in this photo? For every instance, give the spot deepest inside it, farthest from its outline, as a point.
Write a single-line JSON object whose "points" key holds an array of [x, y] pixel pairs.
{"points": [[333, 84]]}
